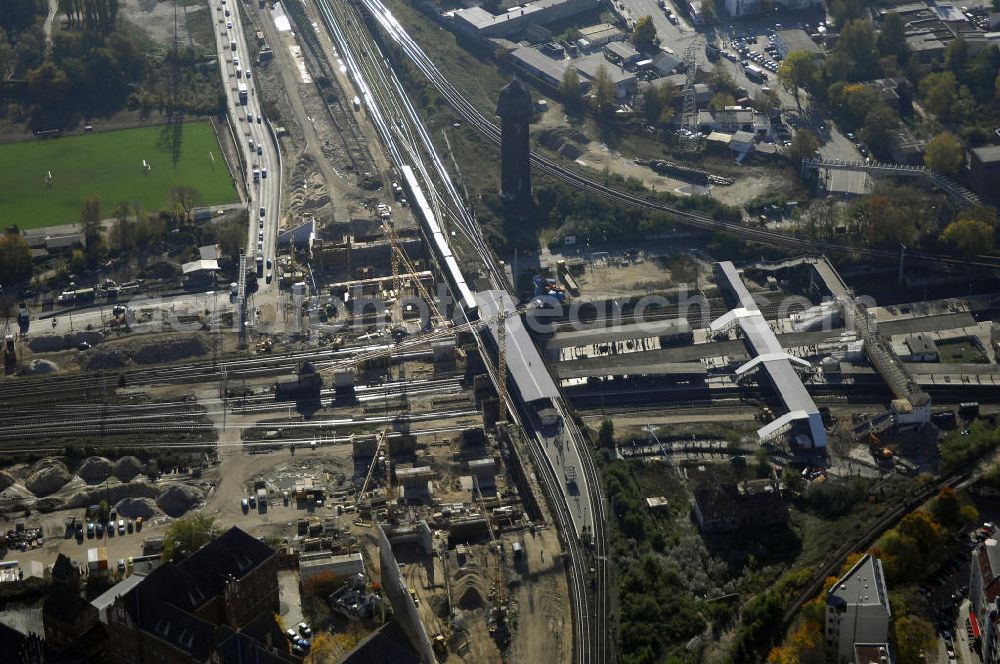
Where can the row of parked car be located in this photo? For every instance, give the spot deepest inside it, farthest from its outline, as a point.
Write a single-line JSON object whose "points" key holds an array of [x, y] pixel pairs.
{"points": [[97, 529], [300, 639]]}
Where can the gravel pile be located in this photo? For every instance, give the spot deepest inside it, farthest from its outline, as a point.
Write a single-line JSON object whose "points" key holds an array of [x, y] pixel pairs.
{"points": [[133, 507], [47, 476], [177, 500], [127, 468], [95, 470], [6, 480]]}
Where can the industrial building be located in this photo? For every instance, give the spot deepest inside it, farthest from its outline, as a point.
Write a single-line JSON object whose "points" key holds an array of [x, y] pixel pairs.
{"points": [[594, 36], [984, 169], [750, 7], [478, 22], [734, 119], [728, 506], [857, 610], [539, 65], [787, 41], [324, 563]]}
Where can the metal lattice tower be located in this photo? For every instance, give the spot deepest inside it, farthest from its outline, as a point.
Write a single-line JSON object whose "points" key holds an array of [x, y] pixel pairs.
{"points": [[241, 298], [502, 364], [689, 118]]}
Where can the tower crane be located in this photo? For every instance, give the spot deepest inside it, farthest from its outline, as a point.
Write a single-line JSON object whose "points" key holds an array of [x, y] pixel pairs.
{"points": [[382, 438]]}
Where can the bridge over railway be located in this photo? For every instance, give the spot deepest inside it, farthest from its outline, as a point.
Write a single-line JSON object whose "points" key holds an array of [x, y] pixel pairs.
{"points": [[957, 192]]}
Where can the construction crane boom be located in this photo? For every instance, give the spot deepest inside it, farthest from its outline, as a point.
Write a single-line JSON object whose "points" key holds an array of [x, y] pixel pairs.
{"points": [[382, 437]]}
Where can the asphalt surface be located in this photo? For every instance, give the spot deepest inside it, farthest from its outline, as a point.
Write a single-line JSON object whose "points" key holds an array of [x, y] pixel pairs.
{"points": [[250, 128]]}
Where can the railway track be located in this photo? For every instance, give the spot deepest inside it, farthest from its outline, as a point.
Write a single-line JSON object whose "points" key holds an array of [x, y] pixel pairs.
{"points": [[407, 141], [471, 114]]}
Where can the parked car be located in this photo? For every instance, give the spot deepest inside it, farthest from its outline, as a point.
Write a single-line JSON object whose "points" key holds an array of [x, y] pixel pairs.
{"points": [[138, 523], [130, 526], [99, 530], [245, 506], [121, 526], [304, 630]]}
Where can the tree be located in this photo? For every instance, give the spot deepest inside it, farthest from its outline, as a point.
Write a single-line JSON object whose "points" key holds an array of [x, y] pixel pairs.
{"points": [[721, 100], [983, 213], [856, 48], [915, 640], [767, 101], [944, 153], [604, 95], [644, 34], [804, 145], [947, 507], [797, 70], [969, 236], [606, 434], [48, 85], [937, 90], [721, 80], [569, 89], [879, 124], [885, 224], [185, 199], [657, 104], [15, 258], [6, 56], [892, 38], [185, 536]]}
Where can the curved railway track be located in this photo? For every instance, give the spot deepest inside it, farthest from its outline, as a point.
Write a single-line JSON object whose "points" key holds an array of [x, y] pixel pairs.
{"points": [[571, 176]]}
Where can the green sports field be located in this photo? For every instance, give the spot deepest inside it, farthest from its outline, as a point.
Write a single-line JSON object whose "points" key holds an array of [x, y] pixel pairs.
{"points": [[109, 165]]}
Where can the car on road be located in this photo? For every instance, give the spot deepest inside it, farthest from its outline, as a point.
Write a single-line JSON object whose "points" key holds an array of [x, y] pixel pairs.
{"points": [[121, 564], [263, 173], [249, 117], [262, 212], [229, 24], [269, 267], [260, 150], [260, 236], [261, 226], [268, 278], [83, 345], [258, 116]]}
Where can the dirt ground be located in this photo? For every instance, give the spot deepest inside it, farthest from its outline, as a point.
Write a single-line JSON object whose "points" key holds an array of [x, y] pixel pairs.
{"points": [[611, 279], [156, 19], [751, 181]]}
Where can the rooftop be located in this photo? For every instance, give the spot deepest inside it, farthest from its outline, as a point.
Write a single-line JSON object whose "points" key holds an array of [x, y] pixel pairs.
{"points": [[588, 66], [863, 585], [988, 154], [621, 49], [872, 653], [769, 355], [535, 59], [600, 31], [594, 335], [798, 40], [523, 361]]}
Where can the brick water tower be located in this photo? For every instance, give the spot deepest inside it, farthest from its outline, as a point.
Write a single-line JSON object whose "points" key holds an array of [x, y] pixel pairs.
{"points": [[515, 110]]}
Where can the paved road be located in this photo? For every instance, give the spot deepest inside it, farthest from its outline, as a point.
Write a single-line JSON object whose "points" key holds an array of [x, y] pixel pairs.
{"points": [[253, 133]]}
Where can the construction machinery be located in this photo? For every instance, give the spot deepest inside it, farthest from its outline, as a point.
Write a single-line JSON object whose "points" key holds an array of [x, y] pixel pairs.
{"points": [[499, 626], [399, 256], [381, 447]]}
